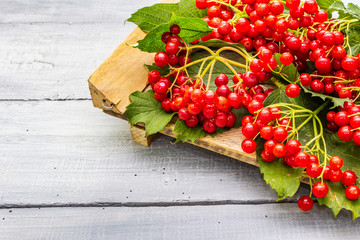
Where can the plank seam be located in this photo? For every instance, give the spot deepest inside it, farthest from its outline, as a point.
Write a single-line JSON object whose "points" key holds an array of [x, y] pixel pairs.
{"points": [[147, 204], [45, 99]]}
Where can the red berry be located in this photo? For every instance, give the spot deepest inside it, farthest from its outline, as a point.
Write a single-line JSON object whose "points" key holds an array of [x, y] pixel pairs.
{"points": [[321, 16], [249, 130], [352, 192], [356, 138], [248, 146], [305, 79], [209, 126], [279, 150], [313, 170], [277, 7], [254, 106], [267, 132], [268, 156], [161, 59], [222, 79], [175, 29], [171, 48], [221, 119], [280, 134], [311, 7], [349, 64], [305, 203], [292, 4], [341, 118], [293, 90], [345, 133], [349, 178], [293, 146], [335, 175], [192, 122], [336, 162], [320, 189], [224, 28], [166, 105], [201, 4], [302, 159], [154, 77], [286, 58]]}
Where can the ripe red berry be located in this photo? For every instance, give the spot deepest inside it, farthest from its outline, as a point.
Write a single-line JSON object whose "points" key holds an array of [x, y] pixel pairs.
{"points": [[336, 162], [305, 79], [349, 178], [267, 132], [209, 126], [335, 175], [268, 156], [161, 59], [345, 133], [280, 134], [293, 146], [286, 58], [320, 189], [201, 4], [305, 203], [302, 159], [313, 170], [248, 146], [352, 192], [224, 28], [175, 29], [310, 6], [321, 16], [279, 150], [341, 118], [349, 64], [293, 90]]}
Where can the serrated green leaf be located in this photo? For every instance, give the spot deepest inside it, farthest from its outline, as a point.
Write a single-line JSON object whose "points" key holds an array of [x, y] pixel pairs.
{"points": [[187, 8], [184, 133], [144, 108], [163, 70], [336, 200], [148, 18], [289, 72], [325, 4], [354, 40], [191, 30], [350, 11], [338, 102], [284, 179]]}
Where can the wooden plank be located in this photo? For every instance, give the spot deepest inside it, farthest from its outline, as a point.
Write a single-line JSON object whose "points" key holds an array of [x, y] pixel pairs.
{"points": [[54, 60], [68, 152], [270, 221], [68, 11]]}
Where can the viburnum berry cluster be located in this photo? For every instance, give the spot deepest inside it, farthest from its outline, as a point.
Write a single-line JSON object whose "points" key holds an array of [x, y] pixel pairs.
{"points": [[189, 96], [276, 127], [346, 122], [300, 50]]}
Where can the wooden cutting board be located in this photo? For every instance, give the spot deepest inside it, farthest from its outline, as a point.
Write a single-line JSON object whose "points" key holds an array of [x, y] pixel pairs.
{"points": [[119, 76]]}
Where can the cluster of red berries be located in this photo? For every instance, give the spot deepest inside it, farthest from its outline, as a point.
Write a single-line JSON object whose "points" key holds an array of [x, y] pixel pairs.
{"points": [[346, 122], [333, 173], [275, 130], [173, 54]]}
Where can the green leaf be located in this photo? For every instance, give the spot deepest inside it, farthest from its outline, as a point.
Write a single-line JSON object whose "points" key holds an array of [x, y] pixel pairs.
{"points": [[325, 4], [184, 133], [338, 102], [284, 179], [148, 18], [336, 200], [144, 108], [354, 40], [191, 30], [289, 72], [350, 11], [187, 8], [163, 70]]}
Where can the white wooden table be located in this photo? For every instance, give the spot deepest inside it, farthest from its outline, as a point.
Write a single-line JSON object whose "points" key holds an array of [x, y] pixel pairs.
{"points": [[69, 171]]}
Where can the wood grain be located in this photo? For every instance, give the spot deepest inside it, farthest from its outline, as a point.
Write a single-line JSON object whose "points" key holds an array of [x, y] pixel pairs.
{"points": [[268, 221], [69, 152]]}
